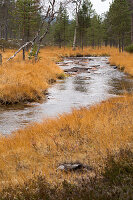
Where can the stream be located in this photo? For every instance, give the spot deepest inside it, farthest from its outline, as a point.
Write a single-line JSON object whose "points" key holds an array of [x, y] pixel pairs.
{"points": [[91, 81]]}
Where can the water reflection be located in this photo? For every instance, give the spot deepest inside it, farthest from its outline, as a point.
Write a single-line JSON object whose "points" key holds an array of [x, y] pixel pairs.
{"points": [[120, 86], [80, 84]]}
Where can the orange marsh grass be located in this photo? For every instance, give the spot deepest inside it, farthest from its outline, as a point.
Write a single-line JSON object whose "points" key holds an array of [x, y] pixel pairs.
{"points": [[26, 81], [124, 61], [85, 135]]}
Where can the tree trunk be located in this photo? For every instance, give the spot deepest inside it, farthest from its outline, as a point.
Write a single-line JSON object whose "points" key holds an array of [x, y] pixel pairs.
{"points": [[122, 42], [110, 44], [75, 35], [0, 59], [120, 45], [106, 43], [41, 39], [6, 32], [82, 39], [24, 53], [64, 35], [132, 28], [93, 41]]}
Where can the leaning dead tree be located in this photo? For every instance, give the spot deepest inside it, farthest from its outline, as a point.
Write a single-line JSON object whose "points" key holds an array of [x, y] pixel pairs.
{"points": [[48, 18], [50, 14]]}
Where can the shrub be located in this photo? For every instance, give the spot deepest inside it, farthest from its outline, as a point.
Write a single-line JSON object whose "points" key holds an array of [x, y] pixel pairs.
{"points": [[10, 43], [129, 48]]}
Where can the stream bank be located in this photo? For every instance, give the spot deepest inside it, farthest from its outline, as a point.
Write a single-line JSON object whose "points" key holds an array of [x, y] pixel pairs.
{"points": [[91, 80]]}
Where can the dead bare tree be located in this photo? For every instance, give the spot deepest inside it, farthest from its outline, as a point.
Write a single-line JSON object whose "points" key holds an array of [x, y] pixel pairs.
{"points": [[50, 14], [48, 18]]}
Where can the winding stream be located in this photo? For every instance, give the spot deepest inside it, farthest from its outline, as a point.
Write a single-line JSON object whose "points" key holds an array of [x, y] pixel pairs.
{"points": [[85, 88]]}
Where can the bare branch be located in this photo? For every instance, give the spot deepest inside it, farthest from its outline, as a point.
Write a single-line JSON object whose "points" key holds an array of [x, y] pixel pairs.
{"points": [[22, 47], [50, 14]]}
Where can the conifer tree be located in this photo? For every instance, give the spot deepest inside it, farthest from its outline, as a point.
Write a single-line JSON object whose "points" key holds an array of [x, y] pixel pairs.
{"points": [[84, 16], [61, 27], [6, 25], [27, 17], [96, 31], [119, 21], [27, 13]]}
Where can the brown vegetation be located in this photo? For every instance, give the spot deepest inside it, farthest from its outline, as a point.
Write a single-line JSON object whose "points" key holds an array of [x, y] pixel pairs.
{"points": [[124, 61], [26, 81]]}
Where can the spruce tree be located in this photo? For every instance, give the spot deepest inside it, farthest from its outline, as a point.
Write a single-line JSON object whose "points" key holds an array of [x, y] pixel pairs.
{"points": [[61, 27], [119, 21], [6, 25], [27, 15], [84, 16]]}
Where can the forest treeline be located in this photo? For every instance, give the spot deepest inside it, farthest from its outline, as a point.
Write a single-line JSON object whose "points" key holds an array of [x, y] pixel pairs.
{"points": [[21, 19]]}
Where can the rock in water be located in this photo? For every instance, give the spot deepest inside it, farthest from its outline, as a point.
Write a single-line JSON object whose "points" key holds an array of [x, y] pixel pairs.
{"points": [[115, 67]]}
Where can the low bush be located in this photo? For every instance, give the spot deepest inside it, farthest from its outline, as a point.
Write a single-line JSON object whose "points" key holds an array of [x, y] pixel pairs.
{"points": [[10, 44], [129, 48]]}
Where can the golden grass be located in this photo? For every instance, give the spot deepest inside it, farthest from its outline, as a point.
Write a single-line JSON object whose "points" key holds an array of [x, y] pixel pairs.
{"points": [[124, 61], [26, 81], [85, 135]]}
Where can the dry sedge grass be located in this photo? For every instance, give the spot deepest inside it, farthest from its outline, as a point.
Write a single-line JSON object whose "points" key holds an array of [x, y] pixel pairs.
{"points": [[124, 61], [85, 135], [26, 81]]}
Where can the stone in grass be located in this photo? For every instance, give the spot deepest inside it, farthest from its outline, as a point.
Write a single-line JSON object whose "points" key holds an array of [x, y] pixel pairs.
{"points": [[73, 167]]}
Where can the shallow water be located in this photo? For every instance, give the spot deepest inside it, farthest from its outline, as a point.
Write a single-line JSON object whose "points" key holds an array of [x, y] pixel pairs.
{"points": [[80, 89]]}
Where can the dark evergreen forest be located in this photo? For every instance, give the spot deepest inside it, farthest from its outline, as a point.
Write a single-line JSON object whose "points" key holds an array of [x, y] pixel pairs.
{"points": [[20, 20]]}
